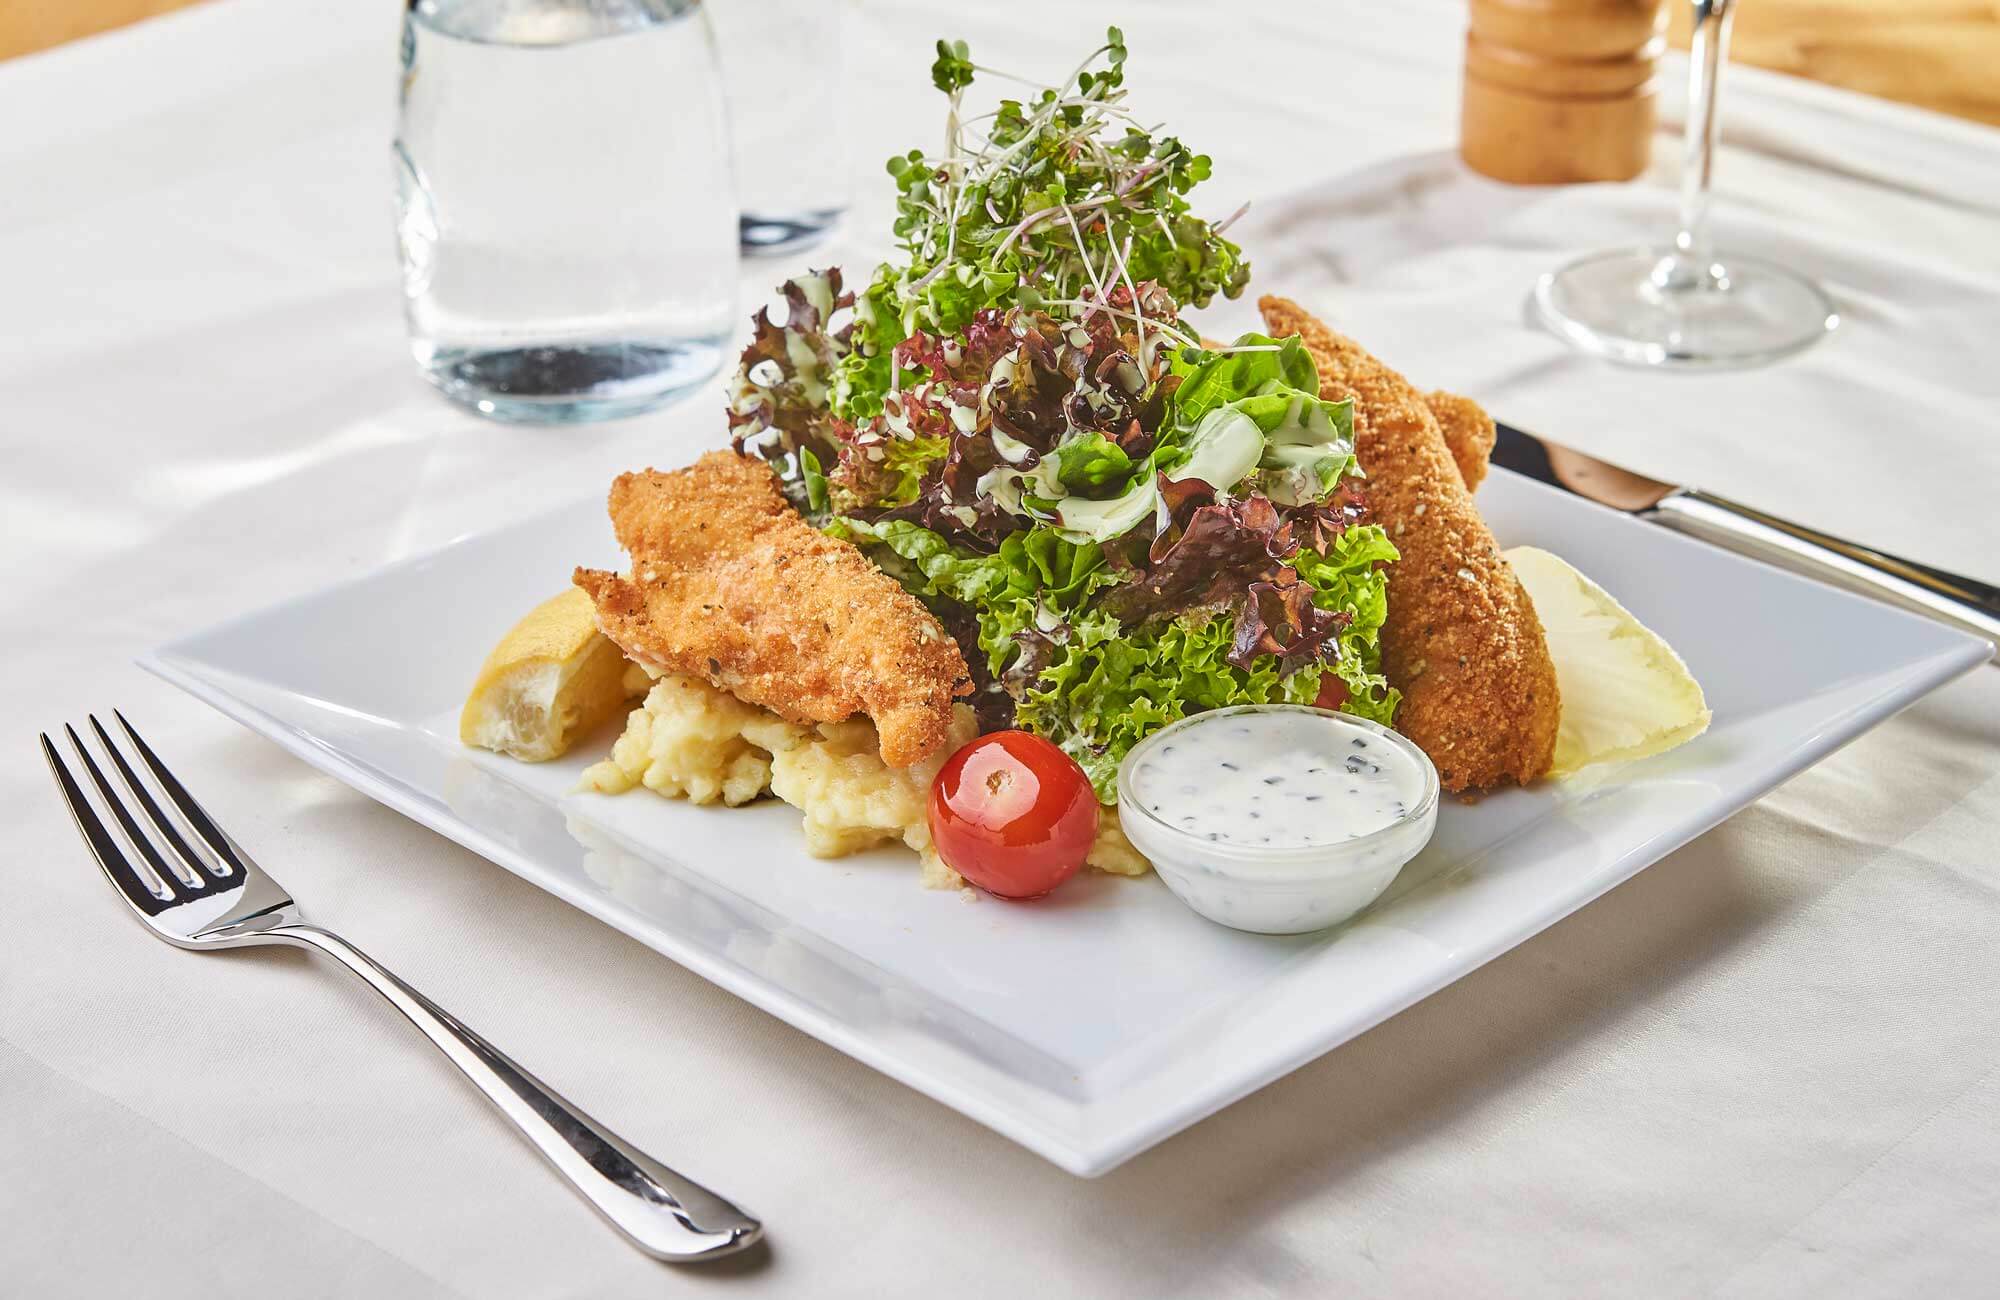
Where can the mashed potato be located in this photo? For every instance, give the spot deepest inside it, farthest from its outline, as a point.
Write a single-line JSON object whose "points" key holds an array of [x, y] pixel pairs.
{"points": [[852, 800], [692, 741], [1112, 852]]}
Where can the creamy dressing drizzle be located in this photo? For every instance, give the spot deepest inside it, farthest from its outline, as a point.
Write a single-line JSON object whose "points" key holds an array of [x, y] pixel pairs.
{"points": [[1279, 780]]}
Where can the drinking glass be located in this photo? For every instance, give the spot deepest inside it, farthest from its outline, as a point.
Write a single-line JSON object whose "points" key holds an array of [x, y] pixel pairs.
{"points": [[1687, 305], [567, 219], [782, 63]]}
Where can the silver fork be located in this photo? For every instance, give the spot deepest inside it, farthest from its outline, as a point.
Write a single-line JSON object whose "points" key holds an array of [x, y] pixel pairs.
{"points": [[196, 888]]}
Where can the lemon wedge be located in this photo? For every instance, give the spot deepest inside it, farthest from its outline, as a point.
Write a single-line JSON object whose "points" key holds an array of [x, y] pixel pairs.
{"points": [[553, 677], [1625, 693]]}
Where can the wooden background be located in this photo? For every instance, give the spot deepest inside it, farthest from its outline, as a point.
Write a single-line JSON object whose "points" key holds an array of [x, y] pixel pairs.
{"points": [[1940, 54]]}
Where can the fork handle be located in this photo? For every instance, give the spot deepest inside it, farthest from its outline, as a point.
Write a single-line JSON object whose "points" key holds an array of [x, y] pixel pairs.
{"points": [[664, 1214]]}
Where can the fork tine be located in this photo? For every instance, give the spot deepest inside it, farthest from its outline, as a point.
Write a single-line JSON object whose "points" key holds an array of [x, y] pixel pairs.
{"points": [[198, 821], [186, 864], [149, 899], [135, 838]]}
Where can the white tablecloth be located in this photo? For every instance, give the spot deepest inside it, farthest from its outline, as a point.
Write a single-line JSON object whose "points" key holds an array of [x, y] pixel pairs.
{"points": [[1769, 1066]]}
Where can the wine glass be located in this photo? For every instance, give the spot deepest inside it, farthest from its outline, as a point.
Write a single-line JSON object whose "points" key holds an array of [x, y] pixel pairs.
{"points": [[1687, 305]]}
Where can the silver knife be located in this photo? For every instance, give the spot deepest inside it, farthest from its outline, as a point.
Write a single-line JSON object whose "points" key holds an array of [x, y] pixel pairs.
{"points": [[1948, 597]]}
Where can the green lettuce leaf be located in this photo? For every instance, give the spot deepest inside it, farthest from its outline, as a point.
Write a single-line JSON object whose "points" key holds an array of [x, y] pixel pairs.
{"points": [[894, 480], [1064, 572], [814, 478], [1308, 441], [1108, 687], [1101, 694], [1097, 687], [1036, 577], [1349, 577], [1210, 379], [1092, 463], [930, 566]]}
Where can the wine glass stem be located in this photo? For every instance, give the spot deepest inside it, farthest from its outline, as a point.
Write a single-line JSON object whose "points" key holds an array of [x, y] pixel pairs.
{"points": [[1707, 50]]}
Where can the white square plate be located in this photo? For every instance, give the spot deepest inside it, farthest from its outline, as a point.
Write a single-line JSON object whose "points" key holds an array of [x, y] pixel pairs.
{"points": [[1096, 1023]]}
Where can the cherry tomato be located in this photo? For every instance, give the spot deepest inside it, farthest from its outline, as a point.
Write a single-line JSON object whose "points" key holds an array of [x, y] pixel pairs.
{"points": [[1013, 814]]}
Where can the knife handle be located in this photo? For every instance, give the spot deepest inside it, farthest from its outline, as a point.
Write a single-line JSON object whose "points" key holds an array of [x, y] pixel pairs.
{"points": [[1948, 597]]}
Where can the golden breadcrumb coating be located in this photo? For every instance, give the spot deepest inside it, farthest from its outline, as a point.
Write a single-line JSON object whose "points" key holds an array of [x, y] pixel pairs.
{"points": [[1462, 640], [730, 585], [1468, 432]]}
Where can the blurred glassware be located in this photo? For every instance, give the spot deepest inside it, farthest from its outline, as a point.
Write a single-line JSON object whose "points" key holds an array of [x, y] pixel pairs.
{"points": [[566, 214], [782, 65], [1687, 305]]}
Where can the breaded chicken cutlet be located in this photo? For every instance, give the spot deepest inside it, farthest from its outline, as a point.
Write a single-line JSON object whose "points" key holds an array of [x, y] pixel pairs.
{"points": [[1462, 641], [1468, 431], [729, 584]]}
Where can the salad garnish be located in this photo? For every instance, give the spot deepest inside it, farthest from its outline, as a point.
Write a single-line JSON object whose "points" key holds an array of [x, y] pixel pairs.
{"points": [[1119, 525]]}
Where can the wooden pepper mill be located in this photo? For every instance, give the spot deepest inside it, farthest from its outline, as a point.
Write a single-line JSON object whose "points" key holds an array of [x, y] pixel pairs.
{"points": [[1560, 90]]}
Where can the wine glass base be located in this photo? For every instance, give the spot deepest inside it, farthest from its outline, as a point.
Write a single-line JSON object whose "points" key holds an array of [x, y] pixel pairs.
{"points": [[1654, 307]]}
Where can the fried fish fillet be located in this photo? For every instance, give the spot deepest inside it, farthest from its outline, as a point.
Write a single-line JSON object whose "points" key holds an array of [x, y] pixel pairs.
{"points": [[1462, 640], [730, 585]]}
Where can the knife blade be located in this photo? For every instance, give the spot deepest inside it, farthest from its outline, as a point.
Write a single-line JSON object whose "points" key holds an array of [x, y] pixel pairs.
{"points": [[1953, 598]]}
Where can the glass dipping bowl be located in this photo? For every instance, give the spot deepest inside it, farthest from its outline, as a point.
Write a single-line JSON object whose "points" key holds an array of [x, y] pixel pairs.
{"points": [[1277, 890]]}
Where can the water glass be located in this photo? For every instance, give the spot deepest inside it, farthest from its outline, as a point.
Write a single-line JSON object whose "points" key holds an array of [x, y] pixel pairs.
{"points": [[567, 218], [782, 65]]}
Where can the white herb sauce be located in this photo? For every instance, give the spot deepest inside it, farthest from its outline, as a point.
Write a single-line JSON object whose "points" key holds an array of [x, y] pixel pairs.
{"points": [[1280, 780]]}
